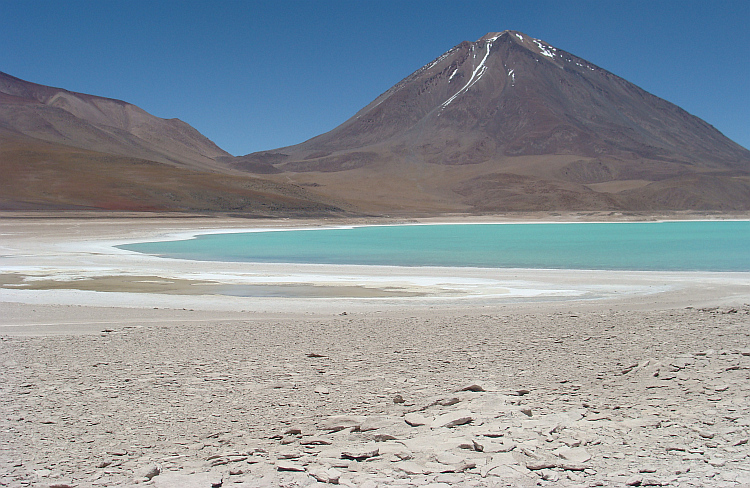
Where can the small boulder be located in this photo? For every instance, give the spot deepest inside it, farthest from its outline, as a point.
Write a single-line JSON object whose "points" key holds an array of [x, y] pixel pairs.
{"points": [[148, 472]]}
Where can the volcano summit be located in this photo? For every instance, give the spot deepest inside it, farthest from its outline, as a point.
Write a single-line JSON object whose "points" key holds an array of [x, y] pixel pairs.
{"points": [[510, 122]]}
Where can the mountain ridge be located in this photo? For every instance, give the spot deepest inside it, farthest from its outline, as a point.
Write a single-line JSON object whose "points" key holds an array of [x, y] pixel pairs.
{"points": [[64, 150], [102, 124]]}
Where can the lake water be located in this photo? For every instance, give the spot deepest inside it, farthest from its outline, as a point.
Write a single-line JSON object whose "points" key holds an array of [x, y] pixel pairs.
{"points": [[673, 246]]}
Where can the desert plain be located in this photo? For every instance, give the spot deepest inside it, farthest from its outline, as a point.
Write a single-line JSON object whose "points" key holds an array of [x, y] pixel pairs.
{"points": [[121, 369]]}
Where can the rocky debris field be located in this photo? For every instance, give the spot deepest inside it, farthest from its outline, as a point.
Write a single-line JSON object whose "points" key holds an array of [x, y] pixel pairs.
{"points": [[608, 398]]}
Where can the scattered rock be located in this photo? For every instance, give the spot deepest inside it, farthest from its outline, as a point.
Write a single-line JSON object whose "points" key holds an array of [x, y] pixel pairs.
{"points": [[491, 446], [148, 472], [284, 465], [448, 458], [325, 475], [341, 422], [315, 441], [452, 419], [360, 454], [575, 454], [410, 468], [634, 480], [446, 402], [415, 420], [537, 464], [289, 455]]}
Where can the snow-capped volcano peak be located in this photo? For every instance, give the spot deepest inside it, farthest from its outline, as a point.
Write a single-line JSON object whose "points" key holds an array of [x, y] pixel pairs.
{"points": [[510, 95]]}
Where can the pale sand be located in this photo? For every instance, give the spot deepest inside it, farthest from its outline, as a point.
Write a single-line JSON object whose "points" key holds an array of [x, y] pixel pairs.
{"points": [[182, 360]]}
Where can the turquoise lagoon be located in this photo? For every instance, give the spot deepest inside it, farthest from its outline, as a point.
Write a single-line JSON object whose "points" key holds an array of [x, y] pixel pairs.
{"points": [[658, 246]]}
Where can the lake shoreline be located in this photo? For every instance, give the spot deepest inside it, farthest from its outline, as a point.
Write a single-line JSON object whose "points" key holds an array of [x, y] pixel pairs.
{"points": [[74, 262], [632, 374], [685, 245]]}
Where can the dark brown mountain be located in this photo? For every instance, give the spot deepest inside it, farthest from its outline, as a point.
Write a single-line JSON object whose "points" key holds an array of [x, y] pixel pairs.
{"points": [[65, 150], [511, 123], [101, 124]]}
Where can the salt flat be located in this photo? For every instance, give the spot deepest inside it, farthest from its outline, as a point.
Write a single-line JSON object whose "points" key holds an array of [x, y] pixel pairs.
{"points": [[628, 377]]}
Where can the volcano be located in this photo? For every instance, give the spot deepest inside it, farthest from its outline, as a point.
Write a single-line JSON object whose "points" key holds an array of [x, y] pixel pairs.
{"points": [[508, 123]]}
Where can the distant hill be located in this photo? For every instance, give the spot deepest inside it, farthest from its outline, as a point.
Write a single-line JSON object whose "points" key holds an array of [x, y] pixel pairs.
{"points": [[65, 150], [511, 123]]}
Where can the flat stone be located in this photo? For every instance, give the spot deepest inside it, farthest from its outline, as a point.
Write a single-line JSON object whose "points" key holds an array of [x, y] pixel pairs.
{"points": [[325, 475], [450, 468], [415, 420], [284, 465], [537, 464], [634, 480], [375, 423], [410, 467], [646, 481], [289, 455], [449, 478], [452, 419], [448, 457], [511, 472], [384, 437], [492, 447], [677, 447], [549, 475], [404, 455], [341, 422], [574, 454], [360, 454], [315, 441], [171, 479]]}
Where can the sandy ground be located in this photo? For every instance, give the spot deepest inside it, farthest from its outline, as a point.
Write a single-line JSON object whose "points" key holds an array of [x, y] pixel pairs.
{"points": [[118, 366]]}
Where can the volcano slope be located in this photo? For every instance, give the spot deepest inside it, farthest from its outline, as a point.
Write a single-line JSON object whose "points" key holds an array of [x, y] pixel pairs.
{"points": [[511, 123]]}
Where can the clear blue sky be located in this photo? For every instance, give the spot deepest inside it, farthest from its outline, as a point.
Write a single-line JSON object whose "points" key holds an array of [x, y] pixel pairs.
{"points": [[255, 75]]}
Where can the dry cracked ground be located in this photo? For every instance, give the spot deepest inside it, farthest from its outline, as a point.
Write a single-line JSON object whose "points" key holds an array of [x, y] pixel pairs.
{"points": [[609, 398]]}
